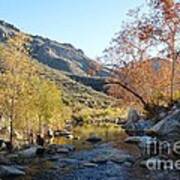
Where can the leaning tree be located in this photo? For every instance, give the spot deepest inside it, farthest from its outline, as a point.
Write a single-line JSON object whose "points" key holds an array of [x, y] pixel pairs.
{"points": [[147, 35]]}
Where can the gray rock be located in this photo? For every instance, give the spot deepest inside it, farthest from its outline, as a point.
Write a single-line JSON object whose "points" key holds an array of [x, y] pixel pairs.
{"points": [[168, 128], [53, 158], [70, 147], [62, 150], [133, 115], [100, 159], [144, 125], [138, 139], [128, 164], [88, 164], [30, 152], [122, 158], [162, 115], [11, 171], [4, 161], [138, 128], [135, 125], [67, 162]]}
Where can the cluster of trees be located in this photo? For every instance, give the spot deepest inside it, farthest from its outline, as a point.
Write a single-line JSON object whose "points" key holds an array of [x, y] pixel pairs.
{"points": [[27, 101], [145, 54]]}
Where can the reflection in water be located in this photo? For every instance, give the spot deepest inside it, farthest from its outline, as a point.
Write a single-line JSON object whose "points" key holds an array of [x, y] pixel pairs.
{"points": [[108, 133]]}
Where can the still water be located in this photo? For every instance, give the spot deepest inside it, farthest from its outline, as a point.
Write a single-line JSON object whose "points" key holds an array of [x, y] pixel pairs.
{"points": [[108, 133]]}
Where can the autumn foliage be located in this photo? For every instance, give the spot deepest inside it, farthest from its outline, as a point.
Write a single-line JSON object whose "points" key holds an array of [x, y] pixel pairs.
{"points": [[145, 55], [28, 102]]}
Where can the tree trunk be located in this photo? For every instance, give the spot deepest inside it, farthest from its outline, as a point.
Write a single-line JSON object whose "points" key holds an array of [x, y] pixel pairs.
{"points": [[11, 139], [40, 125], [11, 132], [173, 76], [135, 94]]}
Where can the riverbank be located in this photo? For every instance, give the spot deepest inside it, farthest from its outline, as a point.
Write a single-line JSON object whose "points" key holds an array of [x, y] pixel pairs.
{"points": [[67, 150], [104, 152]]}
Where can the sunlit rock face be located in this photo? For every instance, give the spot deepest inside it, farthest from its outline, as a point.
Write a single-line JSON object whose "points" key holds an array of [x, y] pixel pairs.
{"points": [[61, 56]]}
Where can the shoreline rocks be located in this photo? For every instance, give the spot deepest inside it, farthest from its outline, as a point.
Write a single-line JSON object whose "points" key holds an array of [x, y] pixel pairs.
{"points": [[138, 128], [12, 170], [59, 148], [136, 125], [168, 128], [31, 152]]}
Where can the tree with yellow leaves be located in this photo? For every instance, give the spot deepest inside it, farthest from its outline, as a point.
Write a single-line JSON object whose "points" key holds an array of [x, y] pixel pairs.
{"points": [[27, 100]]}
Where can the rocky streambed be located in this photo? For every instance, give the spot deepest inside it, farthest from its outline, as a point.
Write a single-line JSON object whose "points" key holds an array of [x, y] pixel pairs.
{"points": [[92, 156], [103, 162], [105, 152]]}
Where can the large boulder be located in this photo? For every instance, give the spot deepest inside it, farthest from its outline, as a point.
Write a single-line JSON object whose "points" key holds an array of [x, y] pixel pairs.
{"points": [[136, 125], [168, 128], [137, 128]]}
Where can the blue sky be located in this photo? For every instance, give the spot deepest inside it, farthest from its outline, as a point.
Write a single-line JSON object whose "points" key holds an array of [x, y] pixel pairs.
{"points": [[87, 24]]}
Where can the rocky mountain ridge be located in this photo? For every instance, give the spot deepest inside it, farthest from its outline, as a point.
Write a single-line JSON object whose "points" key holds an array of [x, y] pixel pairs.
{"points": [[60, 56]]}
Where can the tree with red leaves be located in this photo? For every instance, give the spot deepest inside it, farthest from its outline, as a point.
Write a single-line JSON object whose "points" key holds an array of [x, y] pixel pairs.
{"points": [[146, 37]]}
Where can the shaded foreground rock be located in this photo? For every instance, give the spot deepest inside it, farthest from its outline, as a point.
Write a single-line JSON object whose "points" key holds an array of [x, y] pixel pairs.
{"points": [[12, 170], [31, 152]]}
